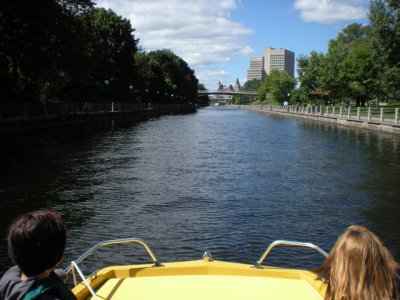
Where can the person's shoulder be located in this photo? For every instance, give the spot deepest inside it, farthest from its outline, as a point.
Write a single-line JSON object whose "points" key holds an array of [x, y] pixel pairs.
{"points": [[48, 296], [55, 289], [14, 271]]}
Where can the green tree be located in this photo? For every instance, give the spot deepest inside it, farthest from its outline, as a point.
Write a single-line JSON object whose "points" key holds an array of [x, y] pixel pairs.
{"points": [[66, 50], [76, 7], [39, 45], [165, 76], [202, 99], [310, 72], [384, 19], [112, 49], [279, 85], [333, 75], [362, 72], [348, 68], [251, 85], [263, 90]]}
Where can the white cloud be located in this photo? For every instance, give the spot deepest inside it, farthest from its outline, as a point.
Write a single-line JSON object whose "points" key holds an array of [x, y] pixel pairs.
{"points": [[331, 11], [210, 76], [199, 31]]}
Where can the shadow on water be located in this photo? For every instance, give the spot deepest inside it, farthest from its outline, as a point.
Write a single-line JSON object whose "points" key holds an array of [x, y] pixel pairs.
{"points": [[37, 166], [380, 176], [224, 180]]}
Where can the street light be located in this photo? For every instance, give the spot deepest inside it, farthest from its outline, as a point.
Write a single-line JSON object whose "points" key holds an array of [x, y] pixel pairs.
{"points": [[147, 92]]}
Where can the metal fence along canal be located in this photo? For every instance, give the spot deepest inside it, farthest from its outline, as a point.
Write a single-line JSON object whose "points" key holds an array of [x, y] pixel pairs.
{"points": [[223, 180], [382, 118]]}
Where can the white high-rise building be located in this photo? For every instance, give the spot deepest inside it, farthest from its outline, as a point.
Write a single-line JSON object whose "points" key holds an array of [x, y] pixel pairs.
{"points": [[279, 59], [256, 70], [273, 59]]}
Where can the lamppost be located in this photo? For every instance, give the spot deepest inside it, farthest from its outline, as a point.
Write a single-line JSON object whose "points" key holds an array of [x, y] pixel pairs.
{"points": [[147, 95], [107, 83], [107, 93], [131, 88]]}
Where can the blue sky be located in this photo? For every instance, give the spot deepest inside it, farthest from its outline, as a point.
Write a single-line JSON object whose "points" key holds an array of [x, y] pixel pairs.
{"points": [[217, 38]]}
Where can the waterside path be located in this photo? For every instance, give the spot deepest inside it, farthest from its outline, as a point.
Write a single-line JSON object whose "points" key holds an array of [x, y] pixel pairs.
{"points": [[27, 116], [384, 119]]}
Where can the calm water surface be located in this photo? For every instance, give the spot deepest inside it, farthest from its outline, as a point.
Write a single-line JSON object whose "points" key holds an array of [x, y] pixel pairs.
{"points": [[224, 180]]}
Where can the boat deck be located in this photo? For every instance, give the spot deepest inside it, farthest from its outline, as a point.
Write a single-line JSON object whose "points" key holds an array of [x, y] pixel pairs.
{"points": [[197, 280], [200, 287]]}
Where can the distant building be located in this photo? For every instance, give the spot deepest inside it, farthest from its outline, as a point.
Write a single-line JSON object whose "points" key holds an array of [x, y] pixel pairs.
{"points": [[229, 88], [273, 59], [256, 70], [220, 86], [226, 88], [237, 85], [279, 59]]}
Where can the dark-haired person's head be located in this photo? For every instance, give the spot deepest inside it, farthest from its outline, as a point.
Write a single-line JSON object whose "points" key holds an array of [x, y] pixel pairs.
{"points": [[36, 241]]}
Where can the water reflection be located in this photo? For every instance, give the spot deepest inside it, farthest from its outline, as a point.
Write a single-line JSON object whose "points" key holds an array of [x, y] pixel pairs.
{"points": [[225, 180]]}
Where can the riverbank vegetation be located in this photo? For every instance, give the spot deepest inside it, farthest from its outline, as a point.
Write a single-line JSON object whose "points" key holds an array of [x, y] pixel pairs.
{"points": [[361, 65], [70, 51]]}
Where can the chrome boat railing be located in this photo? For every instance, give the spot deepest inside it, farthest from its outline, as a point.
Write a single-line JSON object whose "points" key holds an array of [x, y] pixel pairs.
{"points": [[156, 263], [74, 264], [259, 262]]}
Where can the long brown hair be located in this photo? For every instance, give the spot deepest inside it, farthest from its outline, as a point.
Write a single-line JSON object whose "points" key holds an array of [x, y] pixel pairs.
{"points": [[359, 267]]}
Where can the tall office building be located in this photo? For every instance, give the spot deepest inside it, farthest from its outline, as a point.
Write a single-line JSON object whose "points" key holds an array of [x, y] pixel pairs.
{"points": [[279, 59], [273, 59], [256, 70]]}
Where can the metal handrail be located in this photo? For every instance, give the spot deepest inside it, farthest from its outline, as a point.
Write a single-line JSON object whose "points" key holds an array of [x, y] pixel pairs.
{"points": [[74, 267], [288, 243], [112, 242]]}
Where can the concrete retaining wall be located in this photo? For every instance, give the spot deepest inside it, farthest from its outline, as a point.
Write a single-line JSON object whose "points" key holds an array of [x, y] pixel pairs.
{"points": [[371, 125]]}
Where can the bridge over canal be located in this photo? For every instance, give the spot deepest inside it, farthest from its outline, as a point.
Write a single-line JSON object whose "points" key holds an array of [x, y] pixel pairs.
{"points": [[223, 92]]}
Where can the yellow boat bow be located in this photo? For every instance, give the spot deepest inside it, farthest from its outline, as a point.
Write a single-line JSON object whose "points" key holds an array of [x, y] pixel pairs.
{"points": [[195, 280]]}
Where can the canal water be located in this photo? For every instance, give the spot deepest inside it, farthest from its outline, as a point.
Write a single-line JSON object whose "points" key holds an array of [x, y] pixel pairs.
{"points": [[224, 180]]}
